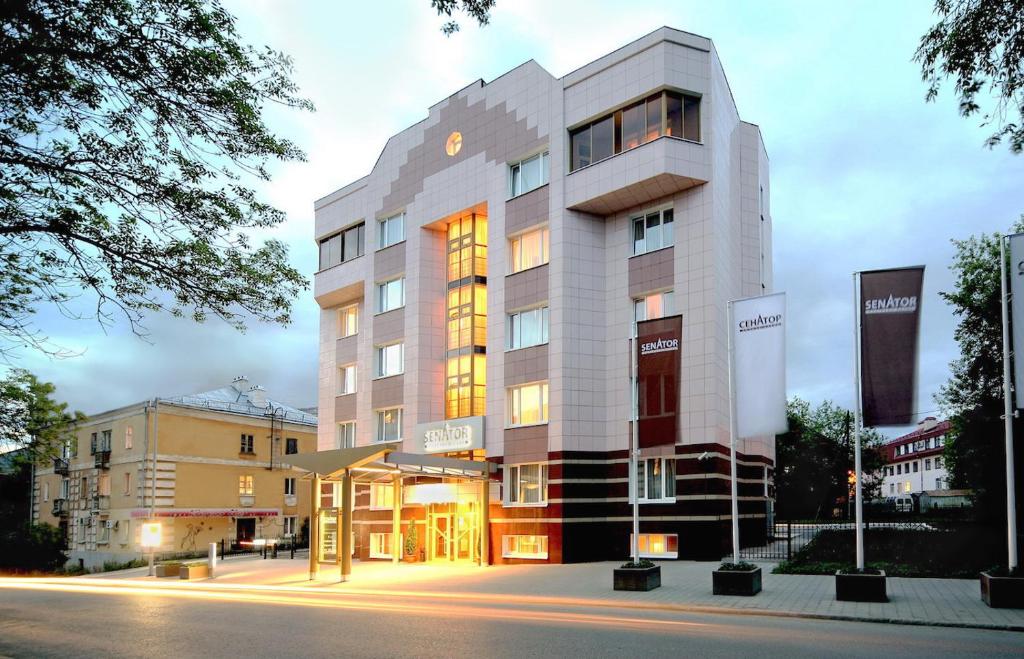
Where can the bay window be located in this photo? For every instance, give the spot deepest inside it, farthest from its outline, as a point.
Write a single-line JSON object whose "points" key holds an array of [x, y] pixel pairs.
{"points": [[527, 328], [529, 249], [526, 485], [656, 480], [528, 404]]}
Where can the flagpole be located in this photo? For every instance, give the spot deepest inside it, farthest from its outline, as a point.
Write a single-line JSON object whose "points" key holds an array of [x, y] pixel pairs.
{"points": [[732, 442], [1011, 494], [634, 450], [858, 504]]}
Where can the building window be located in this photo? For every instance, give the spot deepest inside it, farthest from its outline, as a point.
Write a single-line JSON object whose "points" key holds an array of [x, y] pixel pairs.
{"points": [[899, 469], [524, 546], [247, 444], [289, 526], [289, 487], [348, 321], [940, 484], [466, 317], [906, 486], [390, 231], [92, 444], [652, 231], [892, 488], [938, 463], [529, 249], [940, 440], [380, 545], [245, 487], [127, 484], [528, 404], [391, 295], [656, 480], [389, 425], [128, 437], [655, 305], [528, 174], [382, 496], [657, 545], [664, 113], [526, 485], [105, 441], [347, 379], [46, 491], [390, 360], [291, 445], [342, 246], [527, 328], [928, 464], [347, 434]]}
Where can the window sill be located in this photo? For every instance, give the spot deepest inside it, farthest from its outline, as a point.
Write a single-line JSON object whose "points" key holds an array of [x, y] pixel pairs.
{"points": [[644, 501], [346, 336], [385, 377], [633, 256], [532, 267], [527, 425], [521, 194], [533, 345], [387, 441], [536, 557], [381, 249], [381, 313], [543, 504], [345, 393]]}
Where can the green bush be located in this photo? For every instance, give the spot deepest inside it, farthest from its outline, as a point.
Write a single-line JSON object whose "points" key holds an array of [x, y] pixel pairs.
{"points": [[113, 566], [742, 566], [32, 548], [643, 563]]}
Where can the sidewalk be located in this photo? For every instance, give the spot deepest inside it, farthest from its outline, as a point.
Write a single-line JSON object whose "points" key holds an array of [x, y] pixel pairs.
{"points": [[686, 586]]}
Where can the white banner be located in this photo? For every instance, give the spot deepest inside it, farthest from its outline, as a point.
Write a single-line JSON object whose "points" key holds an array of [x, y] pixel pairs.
{"points": [[1017, 313], [759, 350]]}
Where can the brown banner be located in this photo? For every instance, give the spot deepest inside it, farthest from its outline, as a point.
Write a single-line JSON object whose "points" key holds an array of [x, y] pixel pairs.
{"points": [[658, 349], [890, 313]]}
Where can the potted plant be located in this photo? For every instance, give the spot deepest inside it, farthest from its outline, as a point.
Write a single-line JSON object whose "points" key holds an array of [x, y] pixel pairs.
{"points": [[410, 543], [642, 575], [1002, 588], [169, 569], [854, 585], [736, 579]]}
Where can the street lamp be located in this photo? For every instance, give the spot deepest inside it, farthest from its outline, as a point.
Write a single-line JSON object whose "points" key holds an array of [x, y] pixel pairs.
{"points": [[152, 535]]}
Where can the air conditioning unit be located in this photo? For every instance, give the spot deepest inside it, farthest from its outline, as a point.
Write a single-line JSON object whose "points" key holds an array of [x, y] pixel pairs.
{"points": [[110, 524]]}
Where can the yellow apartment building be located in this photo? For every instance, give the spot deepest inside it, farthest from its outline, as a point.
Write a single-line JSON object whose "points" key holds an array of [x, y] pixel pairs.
{"points": [[211, 467]]}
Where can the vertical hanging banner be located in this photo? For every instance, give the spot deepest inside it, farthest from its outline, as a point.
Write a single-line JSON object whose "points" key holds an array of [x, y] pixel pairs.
{"points": [[1017, 313], [890, 314], [659, 349], [759, 354]]}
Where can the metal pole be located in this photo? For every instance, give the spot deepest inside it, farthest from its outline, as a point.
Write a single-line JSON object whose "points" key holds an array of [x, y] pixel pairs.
{"points": [[734, 497], [1011, 494], [314, 526], [396, 518], [345, 526], [634, 452], [858, 504], [156, 441]]}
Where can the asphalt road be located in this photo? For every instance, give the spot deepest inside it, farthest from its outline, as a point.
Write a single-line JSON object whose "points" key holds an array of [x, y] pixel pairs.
{"points": [[112, 623]]}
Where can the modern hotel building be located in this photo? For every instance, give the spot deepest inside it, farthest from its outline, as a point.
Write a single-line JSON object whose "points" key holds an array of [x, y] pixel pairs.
{"points": [[479, 289]]}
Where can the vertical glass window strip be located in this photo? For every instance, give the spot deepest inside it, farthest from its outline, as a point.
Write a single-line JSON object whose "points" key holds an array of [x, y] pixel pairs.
{"points": [[674, 115], [603, 135], [653, 116], [691, 118], [466, 344], [580, 147], [632, 126]]}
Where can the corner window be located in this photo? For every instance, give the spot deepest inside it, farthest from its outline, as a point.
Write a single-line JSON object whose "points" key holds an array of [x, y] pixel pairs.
{"points": [[390, 295], [291, 445], [524, 546], [247, 444], [657, 545], [528, 404], [527, 328], [382, 496], [526, 485], [529, 249], [347, 379], [655, 305], [347, 434], [289, 487], [656, 480], [245, 485], [342, 246], [348, 321], [653, 231], [389, 425], [390, 231], [528, 174], [390, 360]]}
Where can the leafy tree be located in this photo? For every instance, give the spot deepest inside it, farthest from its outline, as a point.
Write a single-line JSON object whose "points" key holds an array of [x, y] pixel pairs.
{"points": [[31, 420], [973, 397], [129, 130], [35, 547], [815, 457], [477, 9], [980, 45]]}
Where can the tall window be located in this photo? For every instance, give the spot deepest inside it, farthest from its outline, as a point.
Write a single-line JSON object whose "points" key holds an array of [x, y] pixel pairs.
{"points": [[348, 321], [247, 444], [342, 246], [128, 437], [104, 446], [382, 496], [527, 328], [653, 231], [93, 443], [245, 486], [390, 231], [289, 487], [127, 483], [526, 485], [347, 434], [389, 425], [390, 295], [656, 478], [466, 337], [528, 404], [289, 527], [390, 360], [529, 249], [664, 113], [655, 305], [347, 379], [291, 445], [528, 174]]}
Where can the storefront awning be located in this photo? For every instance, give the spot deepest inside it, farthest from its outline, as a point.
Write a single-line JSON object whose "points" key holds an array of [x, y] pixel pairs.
{"points": [[331, 463]]}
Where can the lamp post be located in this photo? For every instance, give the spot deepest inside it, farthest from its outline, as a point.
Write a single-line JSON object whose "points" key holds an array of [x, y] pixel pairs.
{"points": [[152, 535]]}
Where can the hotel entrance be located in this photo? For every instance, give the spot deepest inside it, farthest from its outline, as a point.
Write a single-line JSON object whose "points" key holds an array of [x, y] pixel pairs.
{"points": [[453, 532]]}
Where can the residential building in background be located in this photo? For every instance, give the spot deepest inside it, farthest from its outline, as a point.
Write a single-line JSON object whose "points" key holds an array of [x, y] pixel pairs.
{"points": [[914, 464], [479, 288], [222, 475]]}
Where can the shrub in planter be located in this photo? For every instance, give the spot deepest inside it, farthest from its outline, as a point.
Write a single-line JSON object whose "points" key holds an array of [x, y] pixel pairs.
{"points": [[642, 575], [867, 585], [410, 544], [736, 579], [1003, 589]]}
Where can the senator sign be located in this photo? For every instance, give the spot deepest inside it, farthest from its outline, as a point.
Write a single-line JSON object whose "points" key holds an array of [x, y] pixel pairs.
{"points": [[658, 361], [451, 435]]}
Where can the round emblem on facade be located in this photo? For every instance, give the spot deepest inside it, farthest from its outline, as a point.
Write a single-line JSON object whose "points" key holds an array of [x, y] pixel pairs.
{"points": [[454, 143]]}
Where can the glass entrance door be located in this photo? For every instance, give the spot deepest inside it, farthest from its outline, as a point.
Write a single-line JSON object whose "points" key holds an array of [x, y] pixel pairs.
{"points": [[453, 532]]}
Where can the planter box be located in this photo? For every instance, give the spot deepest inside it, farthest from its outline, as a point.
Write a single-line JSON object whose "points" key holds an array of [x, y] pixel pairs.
{"points": [[195, 571], [634, 578], [1002, 592], [861, 587], [168, 570], [736, 582]]}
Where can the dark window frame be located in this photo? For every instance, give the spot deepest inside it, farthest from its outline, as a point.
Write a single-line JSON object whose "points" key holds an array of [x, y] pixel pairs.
{"points": [[339, 248]]}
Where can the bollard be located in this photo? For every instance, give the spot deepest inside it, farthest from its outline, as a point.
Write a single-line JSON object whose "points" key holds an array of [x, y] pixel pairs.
{"points": [[293, 548], [273, 550], [211, 561]]}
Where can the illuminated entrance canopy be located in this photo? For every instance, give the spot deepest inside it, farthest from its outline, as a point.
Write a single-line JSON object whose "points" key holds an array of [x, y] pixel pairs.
{"points": [[466, 434]]}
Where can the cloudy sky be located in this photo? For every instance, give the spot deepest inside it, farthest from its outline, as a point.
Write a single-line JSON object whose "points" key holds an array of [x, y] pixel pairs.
{"points": [[864, 173]]}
